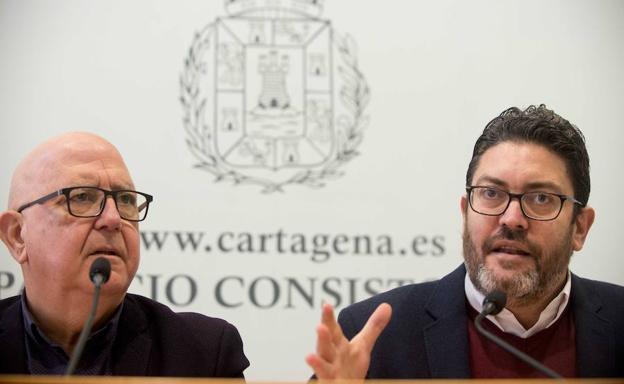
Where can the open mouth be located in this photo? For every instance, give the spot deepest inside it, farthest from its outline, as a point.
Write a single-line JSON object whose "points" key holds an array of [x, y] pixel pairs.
{"points": [[511, 251], [105, 252]]}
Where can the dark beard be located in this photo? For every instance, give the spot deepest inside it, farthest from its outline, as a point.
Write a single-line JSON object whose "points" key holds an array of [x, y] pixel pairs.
{"points": [[523, 287]]}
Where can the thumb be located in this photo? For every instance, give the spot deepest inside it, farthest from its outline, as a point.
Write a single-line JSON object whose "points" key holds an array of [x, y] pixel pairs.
{"points": [[376, 323]]}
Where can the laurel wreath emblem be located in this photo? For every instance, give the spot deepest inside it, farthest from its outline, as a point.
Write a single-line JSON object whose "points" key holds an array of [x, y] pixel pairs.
{"points": [[354, 95]]}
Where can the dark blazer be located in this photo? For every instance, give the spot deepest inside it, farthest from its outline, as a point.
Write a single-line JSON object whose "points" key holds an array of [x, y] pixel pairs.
{"points": [[151, 340], [427, 336]]}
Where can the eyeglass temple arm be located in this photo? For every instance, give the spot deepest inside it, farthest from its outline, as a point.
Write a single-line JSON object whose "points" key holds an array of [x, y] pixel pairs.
{"points": [[148, 199], [40, 200]]}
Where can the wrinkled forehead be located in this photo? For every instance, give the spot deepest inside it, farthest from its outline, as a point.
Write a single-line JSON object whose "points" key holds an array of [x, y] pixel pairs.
{"points": [[72, 161], [92, 168], [91, 162], [523, 165]]}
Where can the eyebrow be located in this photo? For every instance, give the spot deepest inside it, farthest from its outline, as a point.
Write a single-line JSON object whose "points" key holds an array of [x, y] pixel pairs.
{"points": [[118, 185], [532, 185], [88, 180]]}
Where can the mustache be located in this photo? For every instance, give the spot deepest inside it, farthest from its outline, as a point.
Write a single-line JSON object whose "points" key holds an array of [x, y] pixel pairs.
{"points": [[506, 233]]}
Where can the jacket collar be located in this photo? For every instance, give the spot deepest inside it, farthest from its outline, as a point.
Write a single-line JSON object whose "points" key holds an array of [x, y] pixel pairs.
{"points": [[131, 349], [446, 336], [595, 336]]}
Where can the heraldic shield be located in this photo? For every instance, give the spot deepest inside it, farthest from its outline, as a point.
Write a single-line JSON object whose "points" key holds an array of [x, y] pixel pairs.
{"points": [[273, 96]]}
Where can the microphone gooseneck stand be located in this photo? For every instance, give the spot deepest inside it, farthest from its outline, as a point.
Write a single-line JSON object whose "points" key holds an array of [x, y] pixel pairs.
{"points": [[492, 305], [99, 274]]}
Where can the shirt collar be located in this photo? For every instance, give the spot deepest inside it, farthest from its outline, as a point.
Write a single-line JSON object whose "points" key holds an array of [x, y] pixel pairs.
{"points": [[507, 322]]}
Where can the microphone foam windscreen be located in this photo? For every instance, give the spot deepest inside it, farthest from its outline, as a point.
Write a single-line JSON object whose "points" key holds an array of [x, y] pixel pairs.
{"points": [[100, 266], [498, 300]]}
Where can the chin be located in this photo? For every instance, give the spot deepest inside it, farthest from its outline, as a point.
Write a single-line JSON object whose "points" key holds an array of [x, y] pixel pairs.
{"points": [[115, 285], [506, 268], [513, 282]]}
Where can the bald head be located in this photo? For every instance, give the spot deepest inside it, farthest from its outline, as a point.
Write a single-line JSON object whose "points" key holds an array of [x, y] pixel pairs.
{"points": [[45, 168]]}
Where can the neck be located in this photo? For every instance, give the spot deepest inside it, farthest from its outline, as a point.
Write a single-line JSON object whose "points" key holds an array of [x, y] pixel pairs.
{"points": [[62, 320]]}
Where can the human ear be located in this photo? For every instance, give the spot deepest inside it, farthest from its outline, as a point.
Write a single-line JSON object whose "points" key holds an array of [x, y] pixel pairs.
{"points": [[463, 204], [11, 234], [582, 223]]}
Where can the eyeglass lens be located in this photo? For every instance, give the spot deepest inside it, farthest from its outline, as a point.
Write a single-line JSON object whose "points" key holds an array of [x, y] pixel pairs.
{"points": [[89, 202], [539, 205]]}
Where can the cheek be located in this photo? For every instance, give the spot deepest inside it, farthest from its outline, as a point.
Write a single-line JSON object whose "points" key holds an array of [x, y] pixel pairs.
{"points": [[555, 240], [54, 250], [480, 227], [131, 238]]}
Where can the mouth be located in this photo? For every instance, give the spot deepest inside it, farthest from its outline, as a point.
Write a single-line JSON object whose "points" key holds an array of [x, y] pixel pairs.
{"points": [[105, 251], [511, 251], [508, 247]]}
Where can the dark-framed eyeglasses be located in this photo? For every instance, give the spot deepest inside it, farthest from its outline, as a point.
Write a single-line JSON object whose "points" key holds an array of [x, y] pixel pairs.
{"points": [[90, 202], [542, 206]]}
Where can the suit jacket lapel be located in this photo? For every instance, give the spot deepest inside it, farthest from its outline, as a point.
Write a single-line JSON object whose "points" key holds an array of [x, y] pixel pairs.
{"points": [[446, 337], [12, 339], [133, 344], [595, 336]]}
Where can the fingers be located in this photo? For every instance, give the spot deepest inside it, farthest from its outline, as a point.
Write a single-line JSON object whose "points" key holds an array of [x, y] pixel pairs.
{"points": [[335, 356], [325, 347], [374, 326], [329, 338], [329, 320], [322, 369], [322, 363]]}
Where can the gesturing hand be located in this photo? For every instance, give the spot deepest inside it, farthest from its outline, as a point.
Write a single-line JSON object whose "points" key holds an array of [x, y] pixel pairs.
{"points": [[338, 358]]}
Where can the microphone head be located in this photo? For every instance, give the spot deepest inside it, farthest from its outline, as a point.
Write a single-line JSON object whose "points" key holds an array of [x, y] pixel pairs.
{"points": [[494, 302], [101, 266]]}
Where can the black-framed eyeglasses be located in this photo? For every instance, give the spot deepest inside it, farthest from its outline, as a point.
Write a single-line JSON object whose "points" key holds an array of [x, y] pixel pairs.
{"points": [[542, 206], [90, 202]]}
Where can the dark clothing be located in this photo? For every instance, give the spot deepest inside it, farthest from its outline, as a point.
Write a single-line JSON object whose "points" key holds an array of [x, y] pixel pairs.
{"points": [[427, 336], [555, 347], [48, 358], [151, 340]]}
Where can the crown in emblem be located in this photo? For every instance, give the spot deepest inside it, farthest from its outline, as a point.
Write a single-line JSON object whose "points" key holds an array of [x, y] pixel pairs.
{"points": [[274, 8]]}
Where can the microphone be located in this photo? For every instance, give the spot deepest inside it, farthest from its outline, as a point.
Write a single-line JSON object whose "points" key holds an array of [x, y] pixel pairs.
{"points": [[493, 303], [98, 273]]}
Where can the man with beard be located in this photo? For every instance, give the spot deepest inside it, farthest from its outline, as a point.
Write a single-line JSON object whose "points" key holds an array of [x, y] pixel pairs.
{"points": [[524, 213]]}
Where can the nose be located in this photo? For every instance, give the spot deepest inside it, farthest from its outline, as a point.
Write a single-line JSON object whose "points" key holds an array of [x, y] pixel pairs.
{"points": [[109, 218], [513, 217]]}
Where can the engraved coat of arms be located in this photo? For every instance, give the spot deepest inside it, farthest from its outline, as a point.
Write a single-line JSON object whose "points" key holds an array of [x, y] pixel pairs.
{"points": [[273, 96]]}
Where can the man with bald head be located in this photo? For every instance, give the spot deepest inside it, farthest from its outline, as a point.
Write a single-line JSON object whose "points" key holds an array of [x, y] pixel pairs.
{"points": [[71, 201]]}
